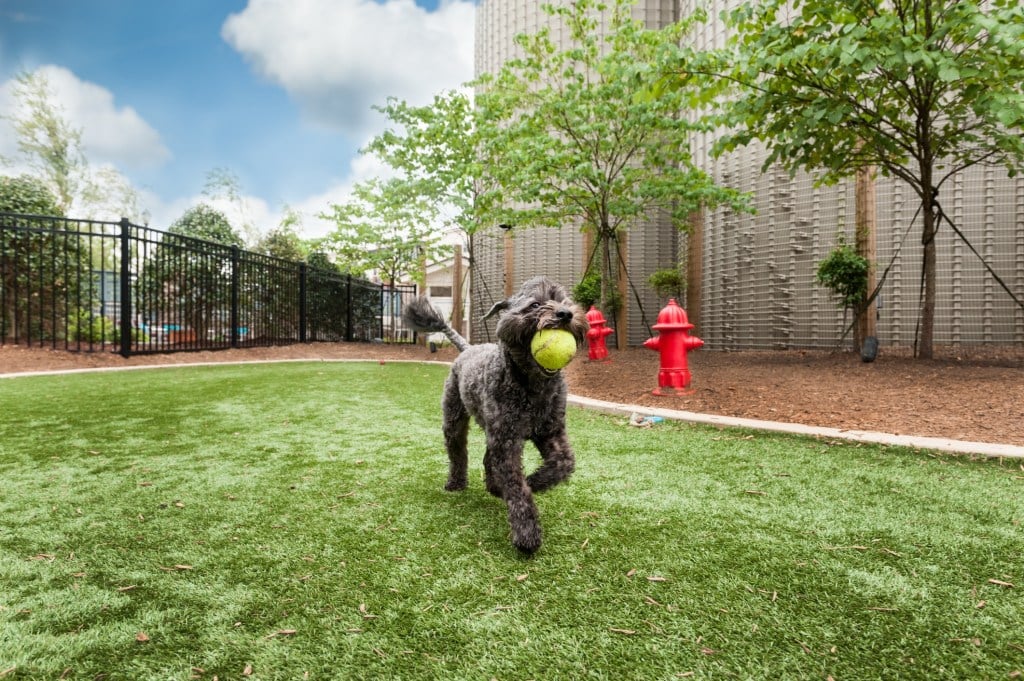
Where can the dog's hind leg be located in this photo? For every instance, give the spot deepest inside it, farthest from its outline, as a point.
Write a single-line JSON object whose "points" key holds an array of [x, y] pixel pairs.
{"points": [[456, 433], [559, 461]]}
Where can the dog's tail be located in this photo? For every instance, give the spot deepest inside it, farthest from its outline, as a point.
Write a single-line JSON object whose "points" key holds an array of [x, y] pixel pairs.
{"points": [[424, 317]]}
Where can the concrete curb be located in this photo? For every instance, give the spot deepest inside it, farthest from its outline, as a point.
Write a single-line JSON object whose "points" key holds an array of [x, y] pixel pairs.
{"points": [[917, 442], [137, 367], [986, 449]]}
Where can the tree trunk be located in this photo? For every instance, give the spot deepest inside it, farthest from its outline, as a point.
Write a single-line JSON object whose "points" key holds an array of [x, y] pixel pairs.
{"points": [[695, 267], [606, 274], [925, 349], [622, 291]]}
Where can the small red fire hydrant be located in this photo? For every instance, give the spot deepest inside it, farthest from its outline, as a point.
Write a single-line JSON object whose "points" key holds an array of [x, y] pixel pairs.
{"points": [[673, 342], [596, 349]]}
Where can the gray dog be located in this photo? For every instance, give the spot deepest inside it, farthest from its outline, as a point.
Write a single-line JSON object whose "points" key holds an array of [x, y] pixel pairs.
{"points": [[512, 397]]}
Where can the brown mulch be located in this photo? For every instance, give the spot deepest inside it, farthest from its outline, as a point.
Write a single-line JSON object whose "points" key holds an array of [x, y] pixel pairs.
{"points": [[976, 395]]}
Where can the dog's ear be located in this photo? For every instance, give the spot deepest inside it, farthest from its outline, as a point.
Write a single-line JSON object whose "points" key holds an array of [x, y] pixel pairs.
{"points": [[498, 307]]}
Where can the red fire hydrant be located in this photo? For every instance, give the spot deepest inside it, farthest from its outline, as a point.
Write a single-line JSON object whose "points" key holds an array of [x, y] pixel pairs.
{"points": [[596, 350], [673, 342]]}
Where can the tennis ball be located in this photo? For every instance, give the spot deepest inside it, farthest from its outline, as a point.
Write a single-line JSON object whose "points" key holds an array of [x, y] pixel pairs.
{"points": [[553, 348]]}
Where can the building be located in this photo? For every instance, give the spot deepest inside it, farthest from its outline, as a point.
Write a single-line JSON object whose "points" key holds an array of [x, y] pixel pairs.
{"points": [[447, 287], [756, 272]]}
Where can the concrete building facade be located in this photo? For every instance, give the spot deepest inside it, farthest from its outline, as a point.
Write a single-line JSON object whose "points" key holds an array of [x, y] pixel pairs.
{"points": [[756, 272]]}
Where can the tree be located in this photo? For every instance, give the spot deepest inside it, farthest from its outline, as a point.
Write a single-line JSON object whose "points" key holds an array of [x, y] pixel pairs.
{"points": [[205, 222], [668, 283], [189, 275], [47, 140], [52, 147], [33, 260], [438, 150], [320, 259], [386, 228], [845, 273], [27, 195], [579, 141], [106, 194], [223, 185], [282, 242], [922, 89]]}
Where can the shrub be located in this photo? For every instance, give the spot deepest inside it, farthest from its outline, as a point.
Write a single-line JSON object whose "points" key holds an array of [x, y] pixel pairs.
{"points": [[668, 283], [85, 327], [588, 292], [845, 273], [28, 195]]}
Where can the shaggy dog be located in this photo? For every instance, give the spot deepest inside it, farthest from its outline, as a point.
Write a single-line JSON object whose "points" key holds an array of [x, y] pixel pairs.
{"points": [[513, 399]]}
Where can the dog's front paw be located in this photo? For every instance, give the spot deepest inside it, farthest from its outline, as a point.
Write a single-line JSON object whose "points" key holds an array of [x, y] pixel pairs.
{"points": [[454, 485], [527, 542]]}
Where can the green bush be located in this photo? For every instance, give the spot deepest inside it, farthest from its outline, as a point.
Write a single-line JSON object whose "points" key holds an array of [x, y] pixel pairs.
{"points": [[845, 273], [28, 195], [588, 292], [668, 283], [85, 327]]}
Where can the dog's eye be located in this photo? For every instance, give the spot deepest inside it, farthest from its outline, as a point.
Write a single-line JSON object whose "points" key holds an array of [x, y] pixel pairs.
{"points": [[534, 305]]}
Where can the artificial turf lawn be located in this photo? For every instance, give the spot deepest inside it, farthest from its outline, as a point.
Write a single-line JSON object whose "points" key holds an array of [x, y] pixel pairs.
{"points": [[288, 521]]}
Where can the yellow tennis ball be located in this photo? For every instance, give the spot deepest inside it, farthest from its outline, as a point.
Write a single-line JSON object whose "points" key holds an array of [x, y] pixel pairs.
{"points": [[553, 348]]}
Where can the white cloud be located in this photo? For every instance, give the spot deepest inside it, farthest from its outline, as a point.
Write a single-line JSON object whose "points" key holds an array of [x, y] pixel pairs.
{"points": [[337, 58], [110, 134], [250, 216], [257, 212], [8, 138], [362, 168]]}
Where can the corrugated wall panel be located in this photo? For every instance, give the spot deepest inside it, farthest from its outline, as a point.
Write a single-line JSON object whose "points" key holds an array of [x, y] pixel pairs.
{"points": [[652, 245], [759, 270], [487, 280], [971, 307], [546, 251], [1018, 249], [758, 277]]}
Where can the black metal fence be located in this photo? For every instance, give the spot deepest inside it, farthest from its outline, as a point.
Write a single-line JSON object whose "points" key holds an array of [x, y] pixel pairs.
{"points": [[86, 285]]}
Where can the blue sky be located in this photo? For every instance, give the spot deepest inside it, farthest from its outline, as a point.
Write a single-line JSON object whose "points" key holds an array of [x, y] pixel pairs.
{"points": [[278, 92]]}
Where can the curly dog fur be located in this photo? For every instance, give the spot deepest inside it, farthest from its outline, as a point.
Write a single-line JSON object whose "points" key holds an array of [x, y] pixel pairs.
{"points": [[513, 399]]}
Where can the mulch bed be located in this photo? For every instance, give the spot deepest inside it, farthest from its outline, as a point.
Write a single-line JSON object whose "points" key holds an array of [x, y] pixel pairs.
{"points": [[973, 395]]}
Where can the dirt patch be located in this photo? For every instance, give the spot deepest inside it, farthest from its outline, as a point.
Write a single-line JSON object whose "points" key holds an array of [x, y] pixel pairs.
{"points": [[976, 395]]}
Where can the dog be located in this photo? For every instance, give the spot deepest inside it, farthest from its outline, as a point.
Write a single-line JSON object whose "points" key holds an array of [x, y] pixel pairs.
{"points": [[512, 398]]}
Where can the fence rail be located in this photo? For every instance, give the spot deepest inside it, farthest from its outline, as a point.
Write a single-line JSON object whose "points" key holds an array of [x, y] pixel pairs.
{"points": [[86, 285]]}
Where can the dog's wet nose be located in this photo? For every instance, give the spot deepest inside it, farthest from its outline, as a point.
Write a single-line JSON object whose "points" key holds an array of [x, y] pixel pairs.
{"points": [[564, 314]]}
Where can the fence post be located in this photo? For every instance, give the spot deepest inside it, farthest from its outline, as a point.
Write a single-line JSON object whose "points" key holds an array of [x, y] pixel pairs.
{"points": [[380, 306], [348, 308], [234, 296], [302, 302], [126, 288]]}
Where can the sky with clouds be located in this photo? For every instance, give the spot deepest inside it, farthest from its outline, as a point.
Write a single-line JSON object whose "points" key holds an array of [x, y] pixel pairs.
{"points": [[277, 92]]}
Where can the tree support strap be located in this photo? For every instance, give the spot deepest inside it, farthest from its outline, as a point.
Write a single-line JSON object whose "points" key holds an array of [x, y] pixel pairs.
{"points": [[999, 280]]}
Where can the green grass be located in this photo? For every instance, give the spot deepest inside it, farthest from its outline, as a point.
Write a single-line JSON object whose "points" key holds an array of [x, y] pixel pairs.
{"points": [[289, 521]]}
